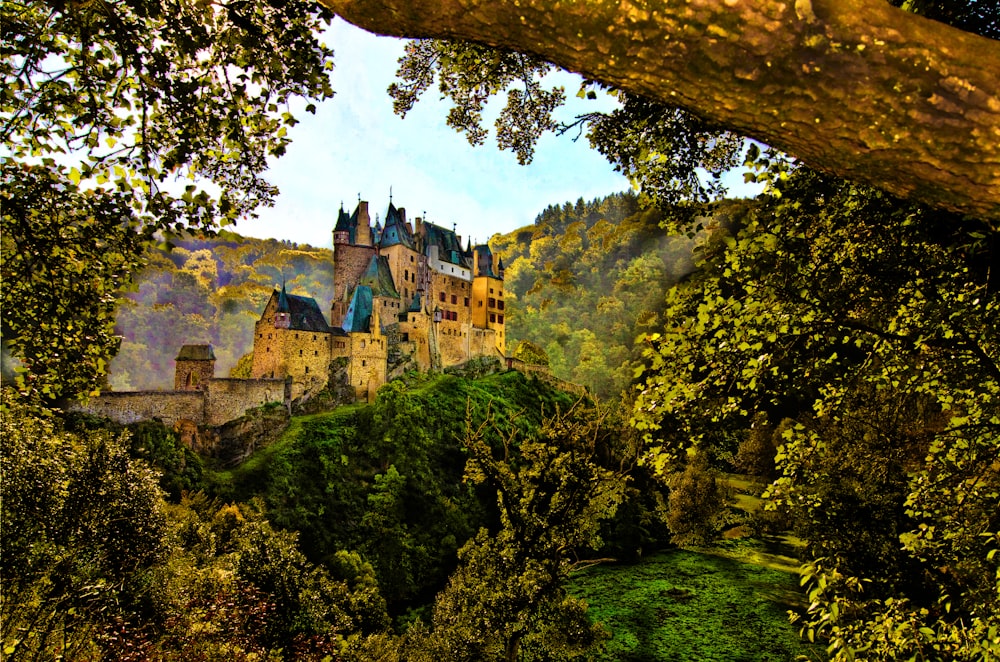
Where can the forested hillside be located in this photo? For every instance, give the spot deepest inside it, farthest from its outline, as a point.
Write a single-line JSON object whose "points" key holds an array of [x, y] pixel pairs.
{"points": [[586, 279], [208, 291], [313, 548]]}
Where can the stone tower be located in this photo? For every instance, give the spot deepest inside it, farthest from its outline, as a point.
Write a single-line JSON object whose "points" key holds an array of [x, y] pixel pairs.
{"points": [[195, 366]]}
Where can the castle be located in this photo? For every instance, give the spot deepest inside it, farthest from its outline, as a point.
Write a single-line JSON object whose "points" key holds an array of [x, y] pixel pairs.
{"points": [[404, 297]]}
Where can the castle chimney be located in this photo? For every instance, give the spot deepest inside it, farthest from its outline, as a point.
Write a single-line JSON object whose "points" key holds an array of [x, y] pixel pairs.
{"points": [[475, 262], [364, 232]]}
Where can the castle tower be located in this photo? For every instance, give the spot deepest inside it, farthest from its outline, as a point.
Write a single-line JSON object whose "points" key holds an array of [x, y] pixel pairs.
{"points": [[195, 366], [353, 250], [398, 246], [487, 295]]}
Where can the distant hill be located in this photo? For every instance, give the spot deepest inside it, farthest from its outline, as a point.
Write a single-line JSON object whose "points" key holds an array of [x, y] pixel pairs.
{"points": [[208, 290], [587, 278]]}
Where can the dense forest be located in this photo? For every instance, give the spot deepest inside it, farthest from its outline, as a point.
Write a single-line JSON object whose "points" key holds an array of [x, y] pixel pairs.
{"points": [[589, 278]]}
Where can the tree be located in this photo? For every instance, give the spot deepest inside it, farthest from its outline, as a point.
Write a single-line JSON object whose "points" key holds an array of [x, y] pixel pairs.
{"points": [[872, 325], [83, 525], [857, 88], [507, 600], [105, 110]]}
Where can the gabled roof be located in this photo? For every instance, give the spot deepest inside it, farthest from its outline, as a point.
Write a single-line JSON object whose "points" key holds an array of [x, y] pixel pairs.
{"points": [[303, 312], [415, 306], [378, 276], [395, 231], [196, 353], [449, 247], [486, 266], [359, 312]]}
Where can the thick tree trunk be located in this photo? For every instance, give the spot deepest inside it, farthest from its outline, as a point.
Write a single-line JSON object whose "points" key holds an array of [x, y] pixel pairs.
{"points": [[854, 87]]}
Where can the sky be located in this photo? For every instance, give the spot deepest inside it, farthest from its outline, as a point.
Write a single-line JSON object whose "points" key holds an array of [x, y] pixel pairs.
{"points": [[355, 146]]}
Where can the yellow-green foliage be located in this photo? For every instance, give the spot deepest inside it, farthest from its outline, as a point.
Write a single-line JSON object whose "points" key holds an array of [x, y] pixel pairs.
{"points": [[531, 353], [586, 279]]}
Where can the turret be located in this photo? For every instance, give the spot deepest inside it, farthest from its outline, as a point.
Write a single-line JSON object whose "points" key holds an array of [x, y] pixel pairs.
{"points": [[283, 315], [342, 230]]}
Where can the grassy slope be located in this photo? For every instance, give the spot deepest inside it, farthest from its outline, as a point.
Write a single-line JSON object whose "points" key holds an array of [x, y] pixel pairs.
{"points": [[682, 605]]}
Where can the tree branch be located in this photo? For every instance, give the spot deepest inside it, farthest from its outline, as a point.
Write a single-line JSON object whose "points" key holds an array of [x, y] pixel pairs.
{"points": [[853, 87]]}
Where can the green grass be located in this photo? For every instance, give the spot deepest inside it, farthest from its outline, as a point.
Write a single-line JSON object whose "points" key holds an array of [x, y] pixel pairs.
{"points": [[224, 479], [682, 605]]}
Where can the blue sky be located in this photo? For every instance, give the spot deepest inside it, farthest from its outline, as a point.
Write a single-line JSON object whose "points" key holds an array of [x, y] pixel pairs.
{"points": [[354, 144]]}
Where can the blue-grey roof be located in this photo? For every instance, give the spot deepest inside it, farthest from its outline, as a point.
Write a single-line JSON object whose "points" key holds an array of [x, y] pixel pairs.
{"points": [[196, 353], [378, 276], [395, 231], [486, 265], [304, 313], [359, 312], [449, 247]]}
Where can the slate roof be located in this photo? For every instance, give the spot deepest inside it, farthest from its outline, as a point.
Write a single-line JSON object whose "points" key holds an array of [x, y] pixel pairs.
{"points": [[378, 276], [449, 247], [304, 312], [196, 353], [486, 262], [359, 312], [348, 224], [395, 231], [415, 305]]}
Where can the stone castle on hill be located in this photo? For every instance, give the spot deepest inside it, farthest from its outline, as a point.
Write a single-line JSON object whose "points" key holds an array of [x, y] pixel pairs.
{"points": [[405, 297]]}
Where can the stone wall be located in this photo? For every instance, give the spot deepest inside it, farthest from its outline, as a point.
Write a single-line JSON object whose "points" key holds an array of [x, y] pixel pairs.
{"points": [[367, 368], [228, 399], [223, 400], [171, 407], [193, 375]]}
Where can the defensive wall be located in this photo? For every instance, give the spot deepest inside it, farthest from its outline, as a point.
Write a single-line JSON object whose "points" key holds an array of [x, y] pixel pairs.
{"points": [[222, 400], [543, 373]]}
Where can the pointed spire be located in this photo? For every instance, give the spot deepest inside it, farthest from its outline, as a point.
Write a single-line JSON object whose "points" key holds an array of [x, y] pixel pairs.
{"points": [[283, 306]]}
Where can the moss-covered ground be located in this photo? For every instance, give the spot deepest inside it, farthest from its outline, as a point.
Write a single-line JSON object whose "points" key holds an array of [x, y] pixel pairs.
{"points": [[682, 605]]}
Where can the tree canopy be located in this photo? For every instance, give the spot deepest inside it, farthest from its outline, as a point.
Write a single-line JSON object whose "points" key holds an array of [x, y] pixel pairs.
{"points": [[860, 88]]}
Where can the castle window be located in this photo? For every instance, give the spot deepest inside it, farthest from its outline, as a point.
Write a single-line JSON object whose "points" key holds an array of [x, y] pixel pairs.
{"points": [[500, 304], [300, 352], [362, 344], [260, 335], [316, 352], [466, 301], [411, 258], [296, 336], [493, 302], [267, 349], [363, 363], [269, 336], [441, 296], [480, 303], [491, 290], [307, 370], [454, 299], [406, 274], [314, 336], [493, 317], [500, 319]]}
